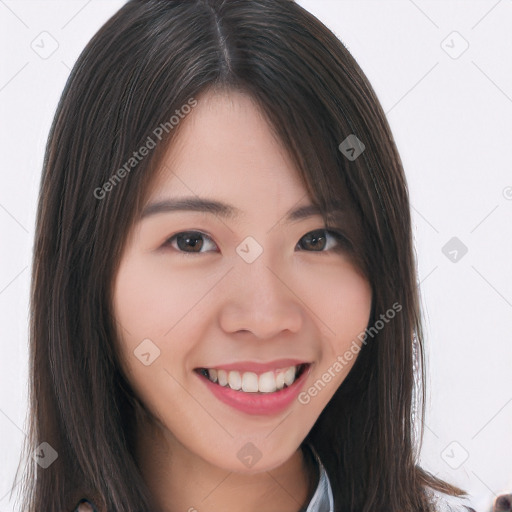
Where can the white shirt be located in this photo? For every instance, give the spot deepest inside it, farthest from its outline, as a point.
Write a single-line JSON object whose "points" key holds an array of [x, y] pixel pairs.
{"points": [[322, 500]]}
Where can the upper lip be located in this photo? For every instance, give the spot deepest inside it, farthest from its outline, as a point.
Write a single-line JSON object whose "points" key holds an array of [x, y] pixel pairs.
{"points": [[251, 366]]}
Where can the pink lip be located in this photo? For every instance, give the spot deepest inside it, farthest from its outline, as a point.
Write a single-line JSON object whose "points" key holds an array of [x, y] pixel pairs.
{"points": [[249, 366], [258, 403]]}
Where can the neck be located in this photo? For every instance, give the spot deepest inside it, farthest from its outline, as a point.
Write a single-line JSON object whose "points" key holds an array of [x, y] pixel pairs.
{"points": [[180, 480]]}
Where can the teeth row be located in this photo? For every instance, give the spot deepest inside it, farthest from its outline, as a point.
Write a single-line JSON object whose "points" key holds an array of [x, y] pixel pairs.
{"points": [[250, 382]]}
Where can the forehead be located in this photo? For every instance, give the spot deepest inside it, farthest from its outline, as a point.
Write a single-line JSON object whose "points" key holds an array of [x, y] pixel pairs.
{"points": [[225, 146]]}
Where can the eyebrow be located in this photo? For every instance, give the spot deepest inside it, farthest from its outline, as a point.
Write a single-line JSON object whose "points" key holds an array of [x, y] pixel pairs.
{"points": [[226, 211]]}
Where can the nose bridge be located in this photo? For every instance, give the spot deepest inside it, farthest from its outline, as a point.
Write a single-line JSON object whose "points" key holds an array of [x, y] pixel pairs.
{"points": [[262, 279], [264, 302]]}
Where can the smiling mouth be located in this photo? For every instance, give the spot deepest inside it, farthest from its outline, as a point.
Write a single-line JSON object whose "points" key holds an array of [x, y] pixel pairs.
{"points": [[251, 382]]}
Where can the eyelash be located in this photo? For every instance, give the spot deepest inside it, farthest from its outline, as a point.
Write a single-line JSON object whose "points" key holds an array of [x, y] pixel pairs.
{"points": [[340, 239]]}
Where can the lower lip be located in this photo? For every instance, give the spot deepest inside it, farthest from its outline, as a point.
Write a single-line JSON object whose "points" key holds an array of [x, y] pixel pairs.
{"points": [[258, 403]]}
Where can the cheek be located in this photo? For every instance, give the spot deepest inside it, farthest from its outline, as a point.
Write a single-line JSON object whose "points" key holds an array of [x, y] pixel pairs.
{"points": [[143, 309], [342, 300], [344, 313], [146, 307], [154, 310], [151, 299]]}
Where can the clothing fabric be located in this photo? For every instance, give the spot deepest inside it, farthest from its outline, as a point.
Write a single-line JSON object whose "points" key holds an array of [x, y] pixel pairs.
{"points": [[322, 500]]}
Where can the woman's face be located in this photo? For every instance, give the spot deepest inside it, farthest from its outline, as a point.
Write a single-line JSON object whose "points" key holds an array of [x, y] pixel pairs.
{"points": [[256, 291]]}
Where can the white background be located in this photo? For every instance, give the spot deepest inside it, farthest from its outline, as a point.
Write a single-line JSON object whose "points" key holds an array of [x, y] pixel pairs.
{"points": [[451, 115]]}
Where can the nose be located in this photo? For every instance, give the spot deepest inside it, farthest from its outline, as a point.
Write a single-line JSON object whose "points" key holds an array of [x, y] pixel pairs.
{"points": [[260, 298]]}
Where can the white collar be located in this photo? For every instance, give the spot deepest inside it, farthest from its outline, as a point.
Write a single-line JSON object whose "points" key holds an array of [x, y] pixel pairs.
{"points": [[322, 500]]}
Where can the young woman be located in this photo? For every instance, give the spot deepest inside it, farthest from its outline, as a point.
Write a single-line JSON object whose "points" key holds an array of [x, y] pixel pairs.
{"points": [[225, 311]]}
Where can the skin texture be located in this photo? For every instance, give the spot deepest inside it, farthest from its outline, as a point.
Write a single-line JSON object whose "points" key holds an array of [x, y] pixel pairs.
{"points": [[202, 309]]}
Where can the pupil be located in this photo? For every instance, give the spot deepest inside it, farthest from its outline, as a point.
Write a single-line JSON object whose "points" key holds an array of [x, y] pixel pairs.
{"points": [[190, 241], [315, 237]]}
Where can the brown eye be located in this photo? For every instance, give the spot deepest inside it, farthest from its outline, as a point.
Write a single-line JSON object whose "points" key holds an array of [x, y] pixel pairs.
{"points": [[321, 240], [186, 240]]}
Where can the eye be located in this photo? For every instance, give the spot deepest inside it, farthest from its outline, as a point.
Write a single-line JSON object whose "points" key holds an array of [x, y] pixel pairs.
{"points": [[322, 240], [188, 239]]}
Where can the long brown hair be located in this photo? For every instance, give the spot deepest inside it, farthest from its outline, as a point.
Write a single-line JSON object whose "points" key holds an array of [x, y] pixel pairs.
{"points": [[146, 62]]}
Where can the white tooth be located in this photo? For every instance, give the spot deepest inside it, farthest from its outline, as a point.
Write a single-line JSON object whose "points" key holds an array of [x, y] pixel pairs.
{"points": [[223, 377], [289, 376], [267, 382], [280, 380], [250, 382], [235, 380]]}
